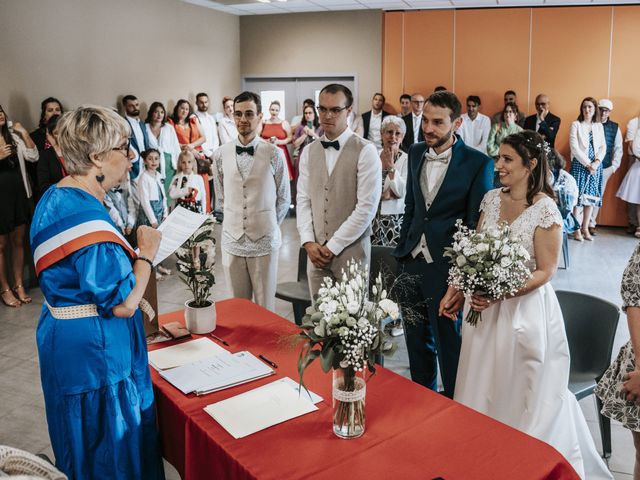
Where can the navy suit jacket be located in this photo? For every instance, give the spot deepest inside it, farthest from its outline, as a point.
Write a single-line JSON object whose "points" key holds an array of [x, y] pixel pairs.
{"points": [[408, 139], [469, 176], [548, 129]]}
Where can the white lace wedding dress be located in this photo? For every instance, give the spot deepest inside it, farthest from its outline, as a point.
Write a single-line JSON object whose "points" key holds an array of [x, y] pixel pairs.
{"points": [[514, 366]]}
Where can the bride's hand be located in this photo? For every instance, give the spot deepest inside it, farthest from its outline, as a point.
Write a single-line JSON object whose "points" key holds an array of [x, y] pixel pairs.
{"points": [[632, 386], [479, 303]]}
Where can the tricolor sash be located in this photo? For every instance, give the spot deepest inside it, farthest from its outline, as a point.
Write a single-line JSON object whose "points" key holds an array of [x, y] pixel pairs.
{"points": [[73, 233]]}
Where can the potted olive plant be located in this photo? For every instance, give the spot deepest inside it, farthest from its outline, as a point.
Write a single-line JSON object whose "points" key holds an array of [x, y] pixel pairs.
{"points": [[196, 260]]}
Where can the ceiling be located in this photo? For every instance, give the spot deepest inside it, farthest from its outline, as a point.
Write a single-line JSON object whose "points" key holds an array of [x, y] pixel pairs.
{"points": [[253, 7]]}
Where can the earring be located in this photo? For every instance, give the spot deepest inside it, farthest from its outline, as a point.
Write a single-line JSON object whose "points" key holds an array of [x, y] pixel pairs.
{"points": [[100, 178]]}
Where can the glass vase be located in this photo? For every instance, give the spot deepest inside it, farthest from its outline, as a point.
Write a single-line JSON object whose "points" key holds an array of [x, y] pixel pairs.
{"points": [[349, 391]]}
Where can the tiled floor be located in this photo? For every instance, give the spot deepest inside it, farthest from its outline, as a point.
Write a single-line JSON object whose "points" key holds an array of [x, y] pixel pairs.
{"points": [[596, 268]]}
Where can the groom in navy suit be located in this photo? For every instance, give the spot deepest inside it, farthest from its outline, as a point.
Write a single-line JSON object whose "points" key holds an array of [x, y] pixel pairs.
{"points": [[446, 181]]}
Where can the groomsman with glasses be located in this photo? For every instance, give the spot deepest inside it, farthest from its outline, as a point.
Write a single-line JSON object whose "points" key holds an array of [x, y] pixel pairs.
{"points": [[339, 190], [252, 186]]}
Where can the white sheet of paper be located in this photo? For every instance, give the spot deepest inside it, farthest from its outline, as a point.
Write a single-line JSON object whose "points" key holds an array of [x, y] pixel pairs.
{"points": [[217, 373], [314, 397], [183, 353], [176, 229], [260, 408]]}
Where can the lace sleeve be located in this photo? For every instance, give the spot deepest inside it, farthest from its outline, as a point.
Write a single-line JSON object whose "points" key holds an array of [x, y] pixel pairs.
{"points": [[489, 200], [548, 214], [630, 287]]}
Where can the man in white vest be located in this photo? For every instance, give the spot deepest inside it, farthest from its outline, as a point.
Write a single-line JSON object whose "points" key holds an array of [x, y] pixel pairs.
{"points": [[252, 187], [339, 188]]}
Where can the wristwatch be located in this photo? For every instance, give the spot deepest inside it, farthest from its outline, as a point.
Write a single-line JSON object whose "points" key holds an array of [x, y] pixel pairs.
{"points": [[392, 170]]}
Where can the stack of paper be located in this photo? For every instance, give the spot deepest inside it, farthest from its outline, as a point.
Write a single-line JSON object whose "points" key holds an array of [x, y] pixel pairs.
{"points": [[184, 353], [217, 373], [260, 408]]}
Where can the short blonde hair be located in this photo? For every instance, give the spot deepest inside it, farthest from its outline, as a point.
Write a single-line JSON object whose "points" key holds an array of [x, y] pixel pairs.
{"points": [[86, 130], [187, 153]]}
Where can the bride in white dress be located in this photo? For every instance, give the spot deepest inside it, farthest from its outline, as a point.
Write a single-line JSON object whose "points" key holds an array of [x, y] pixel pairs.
{"points": [[514, 365]]}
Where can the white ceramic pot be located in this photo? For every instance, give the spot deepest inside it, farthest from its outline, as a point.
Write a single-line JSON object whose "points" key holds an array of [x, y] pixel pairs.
{"points": [[200, 319]]}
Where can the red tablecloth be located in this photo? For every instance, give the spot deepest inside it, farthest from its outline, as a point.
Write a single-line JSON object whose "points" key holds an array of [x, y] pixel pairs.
{"points": [[411, 432]]}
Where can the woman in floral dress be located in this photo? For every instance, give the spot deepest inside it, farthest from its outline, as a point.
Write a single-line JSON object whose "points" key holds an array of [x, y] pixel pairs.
{"points": [[619, 388]]}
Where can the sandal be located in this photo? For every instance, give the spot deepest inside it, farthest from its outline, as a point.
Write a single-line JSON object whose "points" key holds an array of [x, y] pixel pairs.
{"points": [[637, 234], [577, 235], [587, 236], [26, 299], [13, 304]]}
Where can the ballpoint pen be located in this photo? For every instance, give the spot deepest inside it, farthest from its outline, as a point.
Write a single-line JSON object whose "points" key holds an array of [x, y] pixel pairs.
{"points": [[273, 364], [218, 339]]}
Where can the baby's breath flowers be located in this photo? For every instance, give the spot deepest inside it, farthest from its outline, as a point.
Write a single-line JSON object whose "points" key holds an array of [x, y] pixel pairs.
{"points": [[492, 263]]}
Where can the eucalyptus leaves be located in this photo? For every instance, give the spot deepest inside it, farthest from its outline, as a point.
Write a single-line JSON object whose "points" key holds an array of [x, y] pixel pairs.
{"points": [[196, 259], [342, 326], [491, 262]]}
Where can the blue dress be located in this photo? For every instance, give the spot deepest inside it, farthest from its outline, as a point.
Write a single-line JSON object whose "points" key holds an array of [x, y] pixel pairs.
{"points": [[94, 371], [589, 186]]}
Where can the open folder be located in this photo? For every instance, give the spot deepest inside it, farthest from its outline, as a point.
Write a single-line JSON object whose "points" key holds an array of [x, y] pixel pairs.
{"points": [[260, 408], [217, 373], [184, 353]]}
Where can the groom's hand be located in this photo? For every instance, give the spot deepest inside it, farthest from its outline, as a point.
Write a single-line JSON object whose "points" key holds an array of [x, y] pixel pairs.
{"points": [[451, 304], [317, 254]]}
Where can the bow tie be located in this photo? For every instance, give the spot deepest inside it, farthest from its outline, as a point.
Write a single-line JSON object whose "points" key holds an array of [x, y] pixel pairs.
{"points": [[240, 150], [116, 190], [434, 157], [335, 144]]}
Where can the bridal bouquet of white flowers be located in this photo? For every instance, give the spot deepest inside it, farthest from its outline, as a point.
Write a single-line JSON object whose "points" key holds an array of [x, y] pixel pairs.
{"points": [[491, 263]]}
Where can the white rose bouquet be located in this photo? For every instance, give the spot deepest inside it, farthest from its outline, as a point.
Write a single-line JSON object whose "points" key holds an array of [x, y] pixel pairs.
{"points": [[491, 263]]}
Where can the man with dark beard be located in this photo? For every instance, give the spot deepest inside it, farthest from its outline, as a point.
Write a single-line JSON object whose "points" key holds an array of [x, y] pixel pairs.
{"points": [[446, 182]]}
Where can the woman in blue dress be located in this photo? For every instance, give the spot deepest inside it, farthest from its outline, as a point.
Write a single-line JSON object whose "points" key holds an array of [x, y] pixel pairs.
{"points": [[91, 343], [588, 148]]}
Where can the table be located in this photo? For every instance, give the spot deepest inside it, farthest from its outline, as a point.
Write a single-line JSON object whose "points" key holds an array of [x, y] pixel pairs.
{"points": [[411, 432]]}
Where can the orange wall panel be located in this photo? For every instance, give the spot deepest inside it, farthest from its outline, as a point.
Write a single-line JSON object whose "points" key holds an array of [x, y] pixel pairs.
{"points": [[428, 50], [625, 97], [566, 52], [569, 60], [492, 55], [392, 68]]}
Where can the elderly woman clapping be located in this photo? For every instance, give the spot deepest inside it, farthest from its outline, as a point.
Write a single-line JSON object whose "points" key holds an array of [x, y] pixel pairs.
{"points": [[386, 225], [91, 341]]}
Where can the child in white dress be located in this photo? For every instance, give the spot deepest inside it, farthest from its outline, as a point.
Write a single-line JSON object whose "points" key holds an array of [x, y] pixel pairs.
{"points": [[187, 188]]}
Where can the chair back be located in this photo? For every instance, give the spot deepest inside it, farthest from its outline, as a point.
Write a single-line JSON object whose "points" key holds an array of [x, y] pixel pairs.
{"points": [[381, 261], [302, 265], [591, 324]]}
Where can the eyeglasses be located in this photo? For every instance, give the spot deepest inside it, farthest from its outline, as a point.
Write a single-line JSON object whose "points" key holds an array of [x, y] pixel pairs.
{"points": [[124, 149], [333, 111], [249, 114]]}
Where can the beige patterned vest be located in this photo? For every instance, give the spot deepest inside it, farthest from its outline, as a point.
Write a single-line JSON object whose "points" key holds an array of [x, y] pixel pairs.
{"points": [[334, 197], [250, 204]]}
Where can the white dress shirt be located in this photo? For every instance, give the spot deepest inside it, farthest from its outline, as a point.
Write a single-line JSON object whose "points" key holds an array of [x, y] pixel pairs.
{"points": [[137, 131], [369, 190], [632, 129], [150, 189], [417, 123], [167, 144], [475, 133], [227, 130], [398, 186], [210, 131], [375, 122], [435, 171]]}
